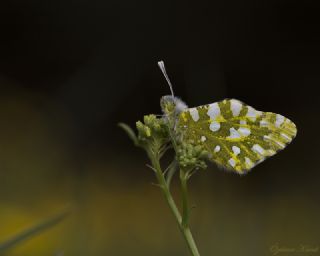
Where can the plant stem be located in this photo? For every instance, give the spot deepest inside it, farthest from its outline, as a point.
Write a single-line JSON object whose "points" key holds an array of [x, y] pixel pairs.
{"points": [[184, 227], [184, 194]]}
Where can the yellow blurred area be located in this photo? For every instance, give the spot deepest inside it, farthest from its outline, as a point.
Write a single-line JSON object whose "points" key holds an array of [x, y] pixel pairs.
{"points": [[135, 221]]}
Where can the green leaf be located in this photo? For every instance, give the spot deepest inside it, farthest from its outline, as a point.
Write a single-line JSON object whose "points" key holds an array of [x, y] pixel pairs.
{"points": [[172, 168], [32, 231], [130, 133]]}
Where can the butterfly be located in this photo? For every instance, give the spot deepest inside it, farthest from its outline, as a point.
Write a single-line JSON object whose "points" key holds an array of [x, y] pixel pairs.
{"points": [[237, 136]]}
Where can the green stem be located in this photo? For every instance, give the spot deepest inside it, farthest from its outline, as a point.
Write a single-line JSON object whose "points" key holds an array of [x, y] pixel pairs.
{"points": [[185, 230], [184, 194]]}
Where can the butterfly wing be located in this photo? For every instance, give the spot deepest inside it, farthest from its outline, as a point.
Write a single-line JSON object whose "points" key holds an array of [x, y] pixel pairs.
{"points": [[237, 136]]}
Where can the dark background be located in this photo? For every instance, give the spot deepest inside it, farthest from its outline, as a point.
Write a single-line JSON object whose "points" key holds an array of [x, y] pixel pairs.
{"points": [[71, 70]]}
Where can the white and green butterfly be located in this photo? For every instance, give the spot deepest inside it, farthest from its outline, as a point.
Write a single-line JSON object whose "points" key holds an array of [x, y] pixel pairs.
{"points": [[237, 136]]}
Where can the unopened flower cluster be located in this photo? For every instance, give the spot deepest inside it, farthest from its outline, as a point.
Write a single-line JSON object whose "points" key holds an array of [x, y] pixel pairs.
{"points": [[153, 134]]}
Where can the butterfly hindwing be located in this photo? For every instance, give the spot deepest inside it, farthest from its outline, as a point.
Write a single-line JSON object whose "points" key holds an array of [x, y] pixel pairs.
{"points": [[237, 136]]}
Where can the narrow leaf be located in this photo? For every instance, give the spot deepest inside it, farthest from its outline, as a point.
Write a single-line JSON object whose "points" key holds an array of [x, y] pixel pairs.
{"points": [[32, 231], [171, 171], [130, 133]]}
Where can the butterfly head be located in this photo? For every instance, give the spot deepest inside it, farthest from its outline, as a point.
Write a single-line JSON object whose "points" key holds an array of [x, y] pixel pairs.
{"points": [[172, 105]]}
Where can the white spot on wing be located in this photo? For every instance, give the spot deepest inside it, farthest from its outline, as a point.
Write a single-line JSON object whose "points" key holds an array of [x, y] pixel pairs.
{"points": [[279, 120], [214, 126], [252, 114], [234, 134], [236, 107], [285, 136], [217, 148], [244, 131], [280, 144], [194, 114], [249, 163], [266, 137], [258, 149], [261, 160], [236, 150], [232, 162], [203, 138], [264, 123], [213, 111]]}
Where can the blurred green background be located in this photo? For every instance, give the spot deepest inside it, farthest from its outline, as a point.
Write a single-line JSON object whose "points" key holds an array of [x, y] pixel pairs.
{"points": [[71, 70]]}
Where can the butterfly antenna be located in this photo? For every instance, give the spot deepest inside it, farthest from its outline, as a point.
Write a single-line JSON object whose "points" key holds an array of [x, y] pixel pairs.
{"points": [[163, 69]]}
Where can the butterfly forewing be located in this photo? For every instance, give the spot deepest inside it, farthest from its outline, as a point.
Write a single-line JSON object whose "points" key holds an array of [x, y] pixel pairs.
{"points": [[237, 136]]}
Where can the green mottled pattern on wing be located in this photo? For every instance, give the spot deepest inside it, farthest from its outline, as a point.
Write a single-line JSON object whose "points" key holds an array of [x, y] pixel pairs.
{"points": [[237, 136]]}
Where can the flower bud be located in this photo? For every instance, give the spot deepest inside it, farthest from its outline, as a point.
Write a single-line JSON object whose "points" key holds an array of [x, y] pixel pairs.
{"points": [[191, 156], [152, 133]]}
